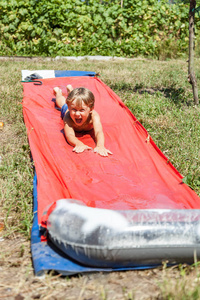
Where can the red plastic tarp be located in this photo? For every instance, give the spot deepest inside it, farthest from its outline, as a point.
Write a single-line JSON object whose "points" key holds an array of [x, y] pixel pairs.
{"points": [[136, 176]]}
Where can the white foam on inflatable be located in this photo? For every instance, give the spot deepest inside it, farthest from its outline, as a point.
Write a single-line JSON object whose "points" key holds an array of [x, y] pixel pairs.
{"points": [[94, 217]]}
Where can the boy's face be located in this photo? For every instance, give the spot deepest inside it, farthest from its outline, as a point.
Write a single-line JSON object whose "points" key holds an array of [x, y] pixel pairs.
{"points": [[79, 113]]}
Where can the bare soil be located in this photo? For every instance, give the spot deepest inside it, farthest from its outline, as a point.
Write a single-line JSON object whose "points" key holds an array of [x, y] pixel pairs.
{"points": [[18, 282]]}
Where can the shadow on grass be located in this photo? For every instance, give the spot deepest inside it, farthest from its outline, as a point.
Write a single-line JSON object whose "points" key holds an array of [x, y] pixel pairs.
{"points": [[176, 95]]}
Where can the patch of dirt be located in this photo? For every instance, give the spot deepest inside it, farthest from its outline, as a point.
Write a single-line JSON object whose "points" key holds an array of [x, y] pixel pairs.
{"points": [[17, 280]]}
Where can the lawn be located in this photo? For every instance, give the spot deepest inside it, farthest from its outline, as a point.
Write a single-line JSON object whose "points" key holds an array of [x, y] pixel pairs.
{"points": [[159, 95]]}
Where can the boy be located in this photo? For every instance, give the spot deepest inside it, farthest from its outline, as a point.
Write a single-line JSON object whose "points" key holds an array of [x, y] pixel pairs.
{"points": [[78, 114]]}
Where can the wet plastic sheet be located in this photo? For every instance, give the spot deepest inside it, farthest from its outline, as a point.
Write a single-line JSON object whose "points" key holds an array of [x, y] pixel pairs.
{"points": [[47, 257], [136, 176]]}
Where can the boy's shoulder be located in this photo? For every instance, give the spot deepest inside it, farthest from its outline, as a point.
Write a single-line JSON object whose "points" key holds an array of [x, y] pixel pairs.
{"points": [[95, 114]]}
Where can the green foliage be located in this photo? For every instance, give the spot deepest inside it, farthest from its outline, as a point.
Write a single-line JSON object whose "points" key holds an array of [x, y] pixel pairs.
{"points": [[192, 179], [92, 27]]}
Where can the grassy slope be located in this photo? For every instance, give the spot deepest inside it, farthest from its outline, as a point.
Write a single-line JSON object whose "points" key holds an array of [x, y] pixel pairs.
{"points": [[158, 94]]}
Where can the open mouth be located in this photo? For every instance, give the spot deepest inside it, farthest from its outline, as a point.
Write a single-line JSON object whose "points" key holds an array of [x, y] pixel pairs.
{"points": [[78, 121]]}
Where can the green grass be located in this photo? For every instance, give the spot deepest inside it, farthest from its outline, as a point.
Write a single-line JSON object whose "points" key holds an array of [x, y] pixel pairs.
{"points": [[182, 285], [158, 94]]}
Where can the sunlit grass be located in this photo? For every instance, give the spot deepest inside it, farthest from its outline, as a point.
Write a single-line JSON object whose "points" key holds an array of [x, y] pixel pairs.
{"points": [[182, 283], [158, 94]]}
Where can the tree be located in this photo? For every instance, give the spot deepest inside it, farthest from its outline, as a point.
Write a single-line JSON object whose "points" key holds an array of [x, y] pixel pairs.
{"points": [[191, 74]]}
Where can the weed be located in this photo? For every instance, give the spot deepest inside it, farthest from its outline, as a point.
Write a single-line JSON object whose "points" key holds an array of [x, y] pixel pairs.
{"points": [[103, 293]]}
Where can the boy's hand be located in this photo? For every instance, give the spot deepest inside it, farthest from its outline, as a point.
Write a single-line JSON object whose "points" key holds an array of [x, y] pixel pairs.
{"points": [[80, 148], [102, 151]]}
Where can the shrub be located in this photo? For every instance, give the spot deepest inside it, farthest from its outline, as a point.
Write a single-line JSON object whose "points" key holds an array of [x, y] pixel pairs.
{"points": [[92, 27]]}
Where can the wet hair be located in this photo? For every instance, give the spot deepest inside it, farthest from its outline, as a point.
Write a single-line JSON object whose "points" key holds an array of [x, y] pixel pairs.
{"points": [[81, 94]]}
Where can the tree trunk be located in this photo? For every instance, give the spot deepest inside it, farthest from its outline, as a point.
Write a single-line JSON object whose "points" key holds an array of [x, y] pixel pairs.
{"points": [[191, 74]]}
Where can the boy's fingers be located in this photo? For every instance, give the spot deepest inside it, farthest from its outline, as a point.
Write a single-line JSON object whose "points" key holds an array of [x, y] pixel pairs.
{"points": [[76, 150], [109, 152], [89, 148], [81, 149], [102, 152]]}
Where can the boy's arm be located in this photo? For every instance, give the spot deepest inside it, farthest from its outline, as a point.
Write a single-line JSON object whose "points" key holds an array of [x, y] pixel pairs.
{"points": [[99, 135], [72, 139]]}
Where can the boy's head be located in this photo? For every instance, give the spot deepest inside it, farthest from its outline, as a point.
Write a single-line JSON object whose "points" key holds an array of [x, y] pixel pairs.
{"points": [[80, 103], [78, 95]]}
